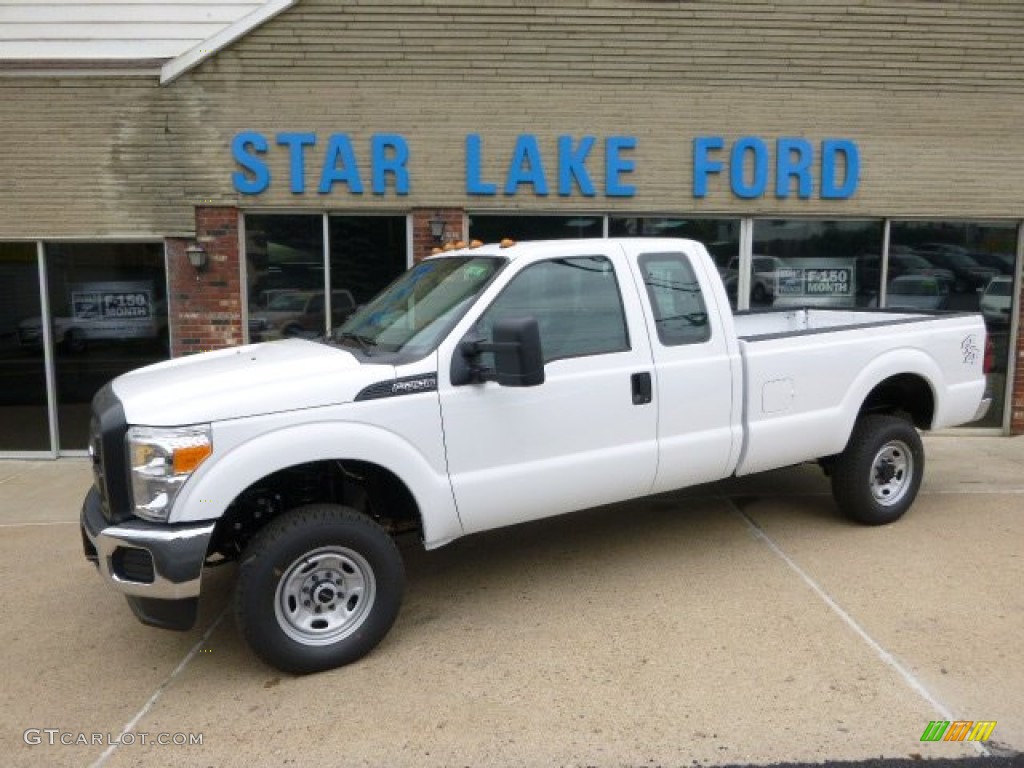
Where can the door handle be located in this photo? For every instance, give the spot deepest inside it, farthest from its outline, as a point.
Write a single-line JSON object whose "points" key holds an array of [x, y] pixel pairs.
{"points": [[642, 390]]}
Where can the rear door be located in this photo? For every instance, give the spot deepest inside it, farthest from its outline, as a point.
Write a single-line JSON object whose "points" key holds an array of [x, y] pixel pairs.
{"points": [[584, 437], [698, 373]]}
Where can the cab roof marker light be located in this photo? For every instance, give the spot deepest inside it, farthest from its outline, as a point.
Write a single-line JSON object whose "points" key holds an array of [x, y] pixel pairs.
{"points": [[507, 242]]}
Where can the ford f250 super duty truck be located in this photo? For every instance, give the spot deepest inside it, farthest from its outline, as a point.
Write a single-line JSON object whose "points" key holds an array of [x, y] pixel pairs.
{"points": [[487, 387]]}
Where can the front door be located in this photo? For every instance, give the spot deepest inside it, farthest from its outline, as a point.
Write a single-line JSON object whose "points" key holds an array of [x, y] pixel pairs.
{"points": [[588, 434]]}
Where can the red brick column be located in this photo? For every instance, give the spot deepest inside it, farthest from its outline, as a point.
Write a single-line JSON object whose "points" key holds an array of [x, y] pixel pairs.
{"points": [[422, 241], [205, 306]]}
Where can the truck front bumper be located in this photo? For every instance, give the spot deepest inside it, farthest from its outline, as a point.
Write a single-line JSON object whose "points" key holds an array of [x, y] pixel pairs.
{"points": [[157, 567]]}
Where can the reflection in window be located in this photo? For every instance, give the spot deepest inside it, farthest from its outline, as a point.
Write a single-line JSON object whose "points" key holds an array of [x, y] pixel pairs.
{"points": [[974, 262], [721, 237], [576, 302], [367, 253], [679, 312], [284, 258], [108, 315], [413, 313], [813, 263], [285, 267], [493, 228]]}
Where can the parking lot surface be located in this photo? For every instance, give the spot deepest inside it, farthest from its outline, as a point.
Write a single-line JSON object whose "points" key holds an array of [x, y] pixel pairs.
{"points": [[744, 622]]}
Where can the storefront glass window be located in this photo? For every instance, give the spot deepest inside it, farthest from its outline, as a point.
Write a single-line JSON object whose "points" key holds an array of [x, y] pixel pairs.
{"points": [[285, 268], [973, 265], [108, 314], [720, 236], [492, 228], [23, 406], [284, 258], [809, 263], [367, 253]]}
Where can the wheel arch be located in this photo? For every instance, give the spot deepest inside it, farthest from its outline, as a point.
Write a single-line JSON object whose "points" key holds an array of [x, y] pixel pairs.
{"points": [[902, 382], [395, 463], [905, 394]]}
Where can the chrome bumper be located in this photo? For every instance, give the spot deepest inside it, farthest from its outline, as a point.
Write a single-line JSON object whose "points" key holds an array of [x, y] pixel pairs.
{"points": [[167, 561]]}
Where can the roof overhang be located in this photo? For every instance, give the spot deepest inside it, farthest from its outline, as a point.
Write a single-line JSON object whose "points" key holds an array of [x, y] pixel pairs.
{"points": [[199, 53]]}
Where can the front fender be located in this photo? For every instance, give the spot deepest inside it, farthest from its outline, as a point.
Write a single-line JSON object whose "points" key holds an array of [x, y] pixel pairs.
{"points": [[235, 465]]}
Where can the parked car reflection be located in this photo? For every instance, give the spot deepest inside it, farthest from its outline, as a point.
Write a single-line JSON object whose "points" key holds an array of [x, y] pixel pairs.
{"points": [[968, 274], [765, 277], [917, 292], [996, 300], [299, 313]]}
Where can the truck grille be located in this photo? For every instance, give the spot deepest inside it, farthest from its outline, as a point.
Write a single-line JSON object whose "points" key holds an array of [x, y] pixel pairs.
{"points": [[107, 430]]}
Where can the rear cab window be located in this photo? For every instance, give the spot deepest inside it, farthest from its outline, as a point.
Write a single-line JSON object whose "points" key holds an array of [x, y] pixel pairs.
{"points": [[680, 313]]}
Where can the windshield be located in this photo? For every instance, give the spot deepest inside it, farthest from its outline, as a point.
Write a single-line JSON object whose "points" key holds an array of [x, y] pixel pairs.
{"points": [[999, 288], [414, 312]]}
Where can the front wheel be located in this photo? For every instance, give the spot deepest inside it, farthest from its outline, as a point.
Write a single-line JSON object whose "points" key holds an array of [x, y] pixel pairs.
{"points": [[318, 588], [877, 477]]}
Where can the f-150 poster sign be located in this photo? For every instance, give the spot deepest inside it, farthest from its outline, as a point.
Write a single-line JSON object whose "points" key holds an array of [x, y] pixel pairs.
{"points": [[114, 310], [811, 281]]}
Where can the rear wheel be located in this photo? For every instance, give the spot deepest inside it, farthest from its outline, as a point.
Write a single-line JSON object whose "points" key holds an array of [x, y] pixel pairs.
{"points": [[877, 477], [318, 588]]}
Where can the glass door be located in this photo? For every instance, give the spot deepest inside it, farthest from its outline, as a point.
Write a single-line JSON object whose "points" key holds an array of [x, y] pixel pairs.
{"points": [[24, 408], [108, 315]]}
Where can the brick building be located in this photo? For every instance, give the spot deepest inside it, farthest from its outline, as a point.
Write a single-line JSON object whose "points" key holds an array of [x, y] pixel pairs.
{"points": [[308, 150]]}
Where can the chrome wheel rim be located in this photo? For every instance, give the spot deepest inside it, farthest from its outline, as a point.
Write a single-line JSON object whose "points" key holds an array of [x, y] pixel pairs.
{"points": [[892, 472], [325, 596]]}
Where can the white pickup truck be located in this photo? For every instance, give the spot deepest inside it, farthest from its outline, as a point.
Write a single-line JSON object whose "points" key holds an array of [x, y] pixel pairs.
{"points": [[487, 387]]}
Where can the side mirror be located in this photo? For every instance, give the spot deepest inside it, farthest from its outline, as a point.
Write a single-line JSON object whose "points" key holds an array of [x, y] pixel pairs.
{"points": [[518, 357]]}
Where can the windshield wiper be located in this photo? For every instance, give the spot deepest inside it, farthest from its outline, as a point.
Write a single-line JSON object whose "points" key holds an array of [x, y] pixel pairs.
{"points": [[365, 342]]}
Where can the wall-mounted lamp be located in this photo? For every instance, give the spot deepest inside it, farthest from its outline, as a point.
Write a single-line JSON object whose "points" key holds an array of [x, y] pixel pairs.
{"points": [[197, 256], [437, 225]]}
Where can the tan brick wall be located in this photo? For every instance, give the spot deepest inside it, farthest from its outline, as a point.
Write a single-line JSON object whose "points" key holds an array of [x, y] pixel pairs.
{"points": [[930, 91]]}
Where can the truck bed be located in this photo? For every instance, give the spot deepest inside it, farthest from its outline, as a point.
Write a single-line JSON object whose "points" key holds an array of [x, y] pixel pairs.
{"points": [[807, 371]]}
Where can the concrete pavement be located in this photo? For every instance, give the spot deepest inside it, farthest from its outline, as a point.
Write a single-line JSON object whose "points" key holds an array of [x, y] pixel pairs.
{"points": [[743, 622]]}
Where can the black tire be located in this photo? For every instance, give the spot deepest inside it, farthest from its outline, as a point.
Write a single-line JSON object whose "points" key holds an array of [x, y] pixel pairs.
{"points": [[318, 588], [759, 294], [877, 477]]}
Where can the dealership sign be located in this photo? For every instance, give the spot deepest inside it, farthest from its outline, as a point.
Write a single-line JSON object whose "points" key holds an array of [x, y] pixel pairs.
{"points": [[751, 166]]}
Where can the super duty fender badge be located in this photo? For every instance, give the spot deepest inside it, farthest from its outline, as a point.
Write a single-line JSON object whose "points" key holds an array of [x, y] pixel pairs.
{"points": [[408, 385], [969, 348]]}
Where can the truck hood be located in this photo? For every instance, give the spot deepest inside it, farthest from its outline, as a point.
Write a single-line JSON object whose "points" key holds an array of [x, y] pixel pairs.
{"points": [[244, 381]]}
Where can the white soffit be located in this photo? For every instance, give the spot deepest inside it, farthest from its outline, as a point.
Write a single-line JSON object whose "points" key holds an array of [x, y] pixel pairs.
{"points": [[123, 36]]}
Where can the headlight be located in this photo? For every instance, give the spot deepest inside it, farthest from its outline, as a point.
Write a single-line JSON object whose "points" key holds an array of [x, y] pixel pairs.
{"points": [[162, 459]]}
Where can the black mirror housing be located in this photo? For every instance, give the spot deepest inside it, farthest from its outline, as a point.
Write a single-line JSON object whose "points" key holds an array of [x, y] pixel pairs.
{"points": [[518, 359]]}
